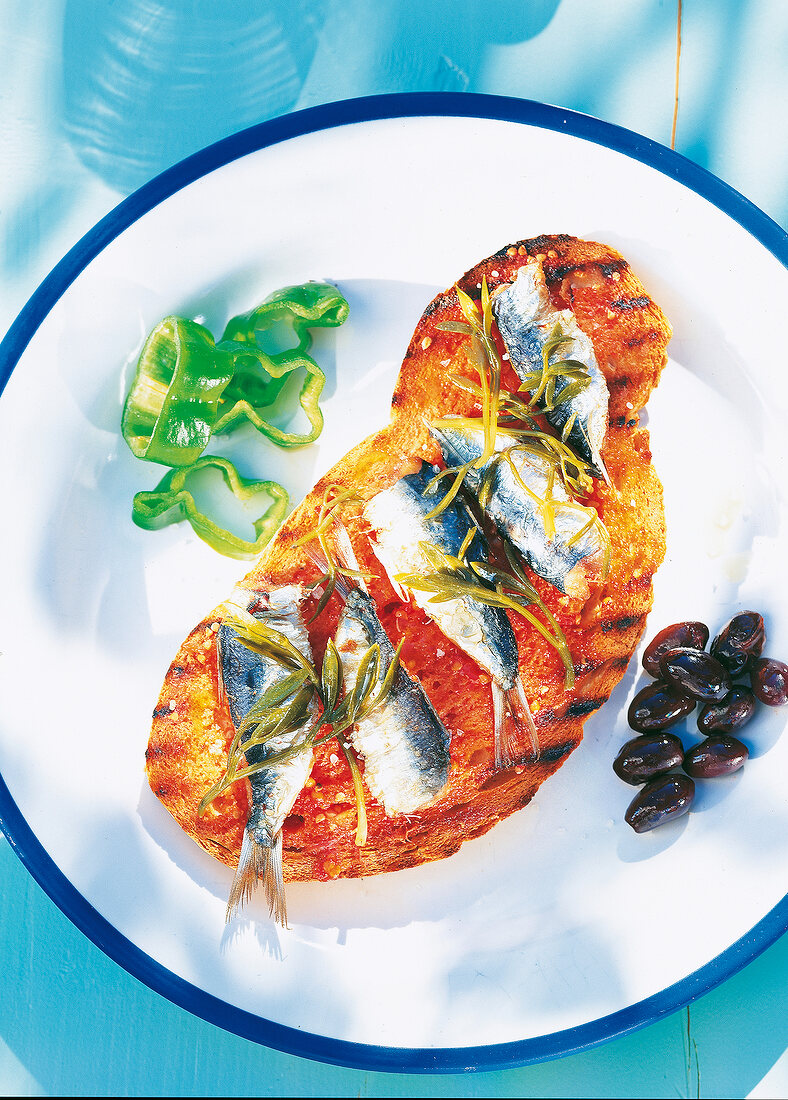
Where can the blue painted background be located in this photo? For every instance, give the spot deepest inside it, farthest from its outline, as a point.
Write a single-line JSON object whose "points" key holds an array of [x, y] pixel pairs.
{"points": [[97, 96]]}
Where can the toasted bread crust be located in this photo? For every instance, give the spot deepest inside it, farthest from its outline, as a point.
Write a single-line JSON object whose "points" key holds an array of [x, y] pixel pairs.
{"points": [[191, 728]]}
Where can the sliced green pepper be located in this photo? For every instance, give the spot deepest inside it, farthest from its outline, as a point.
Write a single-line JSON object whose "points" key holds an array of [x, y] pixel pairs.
{"points": [[186, 387], [171, 502], [173, 402], [310, 305]]}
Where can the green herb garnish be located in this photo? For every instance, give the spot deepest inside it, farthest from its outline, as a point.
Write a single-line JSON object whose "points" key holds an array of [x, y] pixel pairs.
{"points": [[326, 518], [543, 384], [484, 356], [502, 411], [455, 578], [285, 707]]}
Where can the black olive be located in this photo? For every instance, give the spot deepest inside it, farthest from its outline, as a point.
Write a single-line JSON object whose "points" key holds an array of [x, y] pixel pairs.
{"points": [[695, 672], [659, 801], [740, 640], [769, 679], [657, 706], [644, 757], [729, 714], [679, 635], [717, 755]]}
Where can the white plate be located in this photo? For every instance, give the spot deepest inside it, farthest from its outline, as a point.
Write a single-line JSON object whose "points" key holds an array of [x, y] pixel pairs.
{"points": [[560, 927]]}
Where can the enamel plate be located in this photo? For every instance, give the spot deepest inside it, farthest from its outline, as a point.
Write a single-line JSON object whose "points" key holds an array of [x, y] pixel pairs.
{"points": [[539, 938]]}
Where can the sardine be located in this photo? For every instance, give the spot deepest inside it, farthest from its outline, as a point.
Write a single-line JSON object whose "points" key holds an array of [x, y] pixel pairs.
{"points": [[404, 744], [563, 556], [526, 321], [398, 517], [245, 676]]}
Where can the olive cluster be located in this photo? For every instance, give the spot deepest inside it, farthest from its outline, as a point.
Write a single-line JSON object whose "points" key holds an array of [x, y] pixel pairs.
{"points": [[687, 675]]}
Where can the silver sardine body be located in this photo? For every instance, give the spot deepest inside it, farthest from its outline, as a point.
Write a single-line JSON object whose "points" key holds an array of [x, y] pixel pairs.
{"points": [[398, 517], [561, 557], [245, 676], [526, 320], [404, 744]]}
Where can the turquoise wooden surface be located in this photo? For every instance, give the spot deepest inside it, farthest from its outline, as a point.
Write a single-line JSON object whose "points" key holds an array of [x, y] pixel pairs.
{"points": [[95, 98]]}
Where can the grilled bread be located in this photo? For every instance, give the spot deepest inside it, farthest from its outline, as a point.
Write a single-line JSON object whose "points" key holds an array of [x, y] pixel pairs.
{"points": [[191, 727]]}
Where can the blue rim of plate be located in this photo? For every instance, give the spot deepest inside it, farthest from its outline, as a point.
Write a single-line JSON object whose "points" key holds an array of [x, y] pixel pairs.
{"points": [[21, 837]]}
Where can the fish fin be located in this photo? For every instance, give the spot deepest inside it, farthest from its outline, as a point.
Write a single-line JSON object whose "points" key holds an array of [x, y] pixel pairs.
{"points": [[347, 554], [316, 557], [521, 713], [499, 698], [513, 702], [450, 454], [403, 593], [259, 861], [600, 464], [340, 583], [343, 585]]}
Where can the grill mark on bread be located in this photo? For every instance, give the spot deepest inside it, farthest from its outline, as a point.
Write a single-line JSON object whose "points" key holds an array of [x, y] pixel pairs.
{"points": [[607, 267], [557, 752], [587, 667], [581, 707], [534, 244], [556, 273], [626, 304], [622, 624], [435, 305], [638, 341]]}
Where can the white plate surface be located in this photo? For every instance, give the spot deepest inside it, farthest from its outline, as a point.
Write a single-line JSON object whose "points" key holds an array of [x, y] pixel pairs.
{"points": [[560, 915]]}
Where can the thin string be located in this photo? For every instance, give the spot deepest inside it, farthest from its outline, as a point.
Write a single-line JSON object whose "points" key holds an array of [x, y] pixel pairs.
{"points": [[676, 90]]}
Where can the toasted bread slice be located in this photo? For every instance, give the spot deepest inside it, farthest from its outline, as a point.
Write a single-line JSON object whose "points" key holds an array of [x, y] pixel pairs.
{"points": [[191, 727]]}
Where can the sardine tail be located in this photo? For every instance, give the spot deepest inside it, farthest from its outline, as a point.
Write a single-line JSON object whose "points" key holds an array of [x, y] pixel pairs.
{"points": [[502, 758], [521, 713], [274, 881], [512, 701], [347, 555], [259, 861]]}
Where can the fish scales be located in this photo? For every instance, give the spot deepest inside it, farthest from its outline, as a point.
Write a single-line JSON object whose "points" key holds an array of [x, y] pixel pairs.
{"points": [[399, 518], [245, 676], [403, 742], [526, 321], [402, 522], [565, 558]]}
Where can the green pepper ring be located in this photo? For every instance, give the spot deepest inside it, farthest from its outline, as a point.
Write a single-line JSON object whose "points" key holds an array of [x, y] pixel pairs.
{"points": [[278, 367], [173, 401], [171, 502], [310, 305]]}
